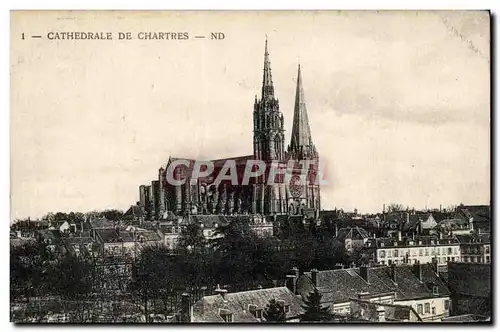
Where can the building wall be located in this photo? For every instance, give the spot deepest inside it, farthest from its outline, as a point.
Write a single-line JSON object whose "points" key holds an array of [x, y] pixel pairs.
{"points": [[430, 309], [345, 308], [475, 253], [424, 254]]}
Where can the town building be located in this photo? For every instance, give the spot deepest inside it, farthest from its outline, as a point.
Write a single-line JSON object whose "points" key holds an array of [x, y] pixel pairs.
{"points": [[370, 311], [475, 248], [241, 307], [417, 286], [61, 225], [79, 246], [426, 249], [352, 238]]}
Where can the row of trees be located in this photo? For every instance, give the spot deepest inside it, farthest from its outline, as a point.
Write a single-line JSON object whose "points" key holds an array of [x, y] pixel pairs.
{"points": [[74, 217]]}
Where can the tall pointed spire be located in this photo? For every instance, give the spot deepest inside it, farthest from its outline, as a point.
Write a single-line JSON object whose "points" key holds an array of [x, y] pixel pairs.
{"points": [[267, 80], [301, 141]]}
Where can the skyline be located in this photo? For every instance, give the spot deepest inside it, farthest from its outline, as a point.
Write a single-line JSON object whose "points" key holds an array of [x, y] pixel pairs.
{"points": [[145, 101]]}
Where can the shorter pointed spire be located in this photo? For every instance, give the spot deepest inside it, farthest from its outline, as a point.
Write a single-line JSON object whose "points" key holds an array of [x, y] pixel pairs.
{"points": [[301, 139]]}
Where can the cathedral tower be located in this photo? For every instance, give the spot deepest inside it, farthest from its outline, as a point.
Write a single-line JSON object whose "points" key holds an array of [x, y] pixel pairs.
{"points": [[268, 132], [304, 196]]}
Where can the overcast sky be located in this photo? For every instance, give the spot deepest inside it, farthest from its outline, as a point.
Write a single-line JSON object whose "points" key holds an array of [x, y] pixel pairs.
{"points": [[398, 103]]}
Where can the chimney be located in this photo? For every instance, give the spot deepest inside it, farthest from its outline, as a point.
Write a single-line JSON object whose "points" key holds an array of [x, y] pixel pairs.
{"points": [[314, 277], [291, 283], [186, 308], [435, 266], [400, 237], [380, 314], [383, 209], [291, 280], [393, 272], [362, 295], [418, 271], [363, 272], [221, 292]]}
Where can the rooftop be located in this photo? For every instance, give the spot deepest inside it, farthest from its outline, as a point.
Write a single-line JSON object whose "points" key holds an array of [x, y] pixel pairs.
{"points": [[338, 286], [208, 308]]}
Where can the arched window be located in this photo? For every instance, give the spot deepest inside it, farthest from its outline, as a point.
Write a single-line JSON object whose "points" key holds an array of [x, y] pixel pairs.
{"points": [[277, 145]]}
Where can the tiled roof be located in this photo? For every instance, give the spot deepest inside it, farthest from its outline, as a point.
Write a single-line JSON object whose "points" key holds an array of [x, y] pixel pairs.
{"points": [[101, 223], [468, 318], [355, 233], [439, 216], [75, 240], [473, 279], [454, 221], [148, 236], [480, 213], [207, 309], [425, 240], [134, 211], [57, 223], [210, 221], [218, 163], [474, 238], [113, 236], [338, 286]]}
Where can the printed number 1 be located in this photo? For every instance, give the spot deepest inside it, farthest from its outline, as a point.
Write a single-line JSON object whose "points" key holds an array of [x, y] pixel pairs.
{"points": [[22, 36]]}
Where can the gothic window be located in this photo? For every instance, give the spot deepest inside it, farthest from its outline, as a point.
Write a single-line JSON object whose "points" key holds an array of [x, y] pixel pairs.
{"points": [[277, 145]]}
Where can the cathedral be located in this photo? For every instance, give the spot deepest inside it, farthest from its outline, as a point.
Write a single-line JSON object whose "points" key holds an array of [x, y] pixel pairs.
{"points": [[259, 196]]}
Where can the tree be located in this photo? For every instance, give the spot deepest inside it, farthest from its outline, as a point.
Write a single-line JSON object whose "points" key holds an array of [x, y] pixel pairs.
{"points": [[191, 239], [314, 311], [234, 247], [395, 207], [274, 312], [28, 270], [72, 279], [113, 214]]}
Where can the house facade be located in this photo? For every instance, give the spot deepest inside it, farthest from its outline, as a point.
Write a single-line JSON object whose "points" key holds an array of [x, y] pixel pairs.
{"points": [[410, 250]]}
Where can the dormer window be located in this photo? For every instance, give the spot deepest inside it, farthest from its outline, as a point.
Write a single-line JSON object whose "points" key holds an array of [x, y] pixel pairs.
{"points": [[228, 318], [287, 308], [226, 315], [257, 313], [435, 290]]}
